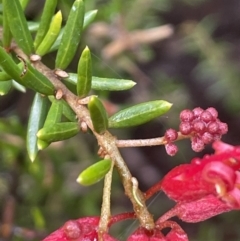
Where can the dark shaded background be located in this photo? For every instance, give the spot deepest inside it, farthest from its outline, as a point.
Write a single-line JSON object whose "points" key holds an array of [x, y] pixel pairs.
{"points": [[195, 65]]}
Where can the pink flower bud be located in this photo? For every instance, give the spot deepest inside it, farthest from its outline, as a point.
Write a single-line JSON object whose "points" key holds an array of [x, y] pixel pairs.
{"points": [[171, 149]]}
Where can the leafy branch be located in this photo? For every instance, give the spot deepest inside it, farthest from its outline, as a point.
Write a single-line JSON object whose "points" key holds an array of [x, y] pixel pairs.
{"points": [[62, 107]]}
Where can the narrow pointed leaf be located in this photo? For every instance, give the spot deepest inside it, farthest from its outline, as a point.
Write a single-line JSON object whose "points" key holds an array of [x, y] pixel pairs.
{"points": [[48, 12], [59, 131], [37, 81], [54, 116], [18, 86], [33, 26], [4, 76], [24, 3], [94, 173], [7, 36], [71, 35], [84, 73], [51, 35], [9, 66], [18, 25], [37, 117], [89, 18], [139, 114], [5, 87], [68, 112], [109, 84], [98, 115]]}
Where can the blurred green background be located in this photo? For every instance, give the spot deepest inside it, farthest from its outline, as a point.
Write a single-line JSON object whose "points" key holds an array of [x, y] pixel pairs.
{"points": [[184, 51]]}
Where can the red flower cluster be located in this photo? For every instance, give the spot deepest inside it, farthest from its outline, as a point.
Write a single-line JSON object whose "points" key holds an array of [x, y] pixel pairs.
{"points": [[205, 187], [86, 229]]}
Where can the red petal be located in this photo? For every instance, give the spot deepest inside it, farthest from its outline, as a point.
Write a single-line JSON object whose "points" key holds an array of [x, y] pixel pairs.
{"points": [[185, 183], [201, 210], [174, 235], [221, 175]]}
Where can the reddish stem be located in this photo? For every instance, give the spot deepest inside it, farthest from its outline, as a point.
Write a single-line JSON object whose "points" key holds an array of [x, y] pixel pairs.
{"points": [[121, 217], [152, 190], [169, 224]]}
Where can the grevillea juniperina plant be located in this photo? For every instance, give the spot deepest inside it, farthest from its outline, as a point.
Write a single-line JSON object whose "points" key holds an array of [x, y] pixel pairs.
{"points": [[63, 107]]}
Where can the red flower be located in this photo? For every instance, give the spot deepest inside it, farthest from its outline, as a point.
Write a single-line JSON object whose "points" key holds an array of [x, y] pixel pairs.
{"points": [[142, 234], [83, 229], [205, 187], [176, 233]]}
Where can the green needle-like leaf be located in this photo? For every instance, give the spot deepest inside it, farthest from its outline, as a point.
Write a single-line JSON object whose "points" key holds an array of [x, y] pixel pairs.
{"points": [[94, 173], [89, 18], [18, 86], [7, 36], [33, 26], [71, 35], [51, 35], [4, 76], [84, 73], [24, 3], [68, 112], [37, 117], [18, 25], [37, 81], [139, 114], [54, 116], [99, 83], [98, 115], [59, 131], [5, 87], [48, 12], [9, 66]]}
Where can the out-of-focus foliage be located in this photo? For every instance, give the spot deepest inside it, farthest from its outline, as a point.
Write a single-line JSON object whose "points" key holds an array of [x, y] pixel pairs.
{"points": [[196, 64]]}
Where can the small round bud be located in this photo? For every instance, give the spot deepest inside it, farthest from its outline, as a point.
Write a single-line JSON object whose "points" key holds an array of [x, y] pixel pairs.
{"points": [[186, 115], [170, 135], [207, 137], [197, 111], [223, 128], [199, 126], [213, 111], [217, 137], [197, 144], [185, 128], [72, 230], [206, 116], [213, 127], [171, 149]]}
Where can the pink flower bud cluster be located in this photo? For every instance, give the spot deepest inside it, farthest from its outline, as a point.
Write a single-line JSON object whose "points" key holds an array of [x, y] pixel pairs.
{"points": [[203, 125]]}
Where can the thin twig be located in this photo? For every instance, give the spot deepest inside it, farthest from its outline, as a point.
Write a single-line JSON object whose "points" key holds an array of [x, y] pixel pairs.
{"points": [[148, 142], [106, 203]]}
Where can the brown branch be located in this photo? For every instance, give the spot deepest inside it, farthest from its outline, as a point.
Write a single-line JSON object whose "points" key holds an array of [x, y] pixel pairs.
{"points": [[106, 141]]}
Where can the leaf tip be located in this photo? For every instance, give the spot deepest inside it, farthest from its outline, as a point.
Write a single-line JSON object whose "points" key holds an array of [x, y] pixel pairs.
{"points": [[79, 179], [32, 157]]}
